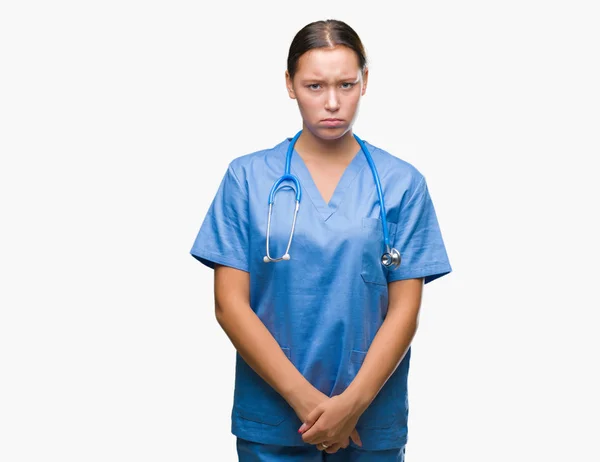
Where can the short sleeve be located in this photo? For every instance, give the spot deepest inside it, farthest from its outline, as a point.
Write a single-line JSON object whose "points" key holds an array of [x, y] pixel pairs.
{"points": [[419, 240], [223, 235]]}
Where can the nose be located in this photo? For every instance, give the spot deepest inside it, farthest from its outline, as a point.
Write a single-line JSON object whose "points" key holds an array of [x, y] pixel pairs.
{"points": [[332, 103]]}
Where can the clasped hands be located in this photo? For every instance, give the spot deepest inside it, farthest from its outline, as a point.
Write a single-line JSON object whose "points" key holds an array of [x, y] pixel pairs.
{"points": [[331, 423]]}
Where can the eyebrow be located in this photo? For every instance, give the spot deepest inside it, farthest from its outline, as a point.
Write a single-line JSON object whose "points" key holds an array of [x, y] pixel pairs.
{"points": [[320, 79]]}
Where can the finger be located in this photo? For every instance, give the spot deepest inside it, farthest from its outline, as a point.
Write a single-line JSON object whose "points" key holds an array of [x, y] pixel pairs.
{"points": [[355, 437], [333, 448], [311, 419], [323, 446], [313, 434]]}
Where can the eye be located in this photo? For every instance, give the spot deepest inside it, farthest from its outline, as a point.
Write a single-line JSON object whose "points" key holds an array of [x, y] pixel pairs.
{"points": [[313, 86], [348, 85]]}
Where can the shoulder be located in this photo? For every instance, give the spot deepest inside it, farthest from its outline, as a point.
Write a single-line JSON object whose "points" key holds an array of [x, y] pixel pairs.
{"points": [[395, 171], [258, 161]]}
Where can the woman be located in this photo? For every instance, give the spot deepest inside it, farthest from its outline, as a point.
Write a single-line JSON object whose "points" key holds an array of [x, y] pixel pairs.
{"points": [[321, 326]]}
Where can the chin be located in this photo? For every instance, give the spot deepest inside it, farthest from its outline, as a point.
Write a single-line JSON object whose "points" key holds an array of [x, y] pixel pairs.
{"points": [[330, 133]]}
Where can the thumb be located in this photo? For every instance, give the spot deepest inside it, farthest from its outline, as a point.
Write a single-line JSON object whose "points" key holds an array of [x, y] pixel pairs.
{"points": [[355, 437], [310, 419]]}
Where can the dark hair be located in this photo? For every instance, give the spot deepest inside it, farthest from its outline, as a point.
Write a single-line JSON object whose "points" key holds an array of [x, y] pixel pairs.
{"points": [[324, 34]]}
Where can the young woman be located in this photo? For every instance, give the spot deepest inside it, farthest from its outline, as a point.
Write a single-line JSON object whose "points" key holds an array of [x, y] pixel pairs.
{"points": [[320, 291]]}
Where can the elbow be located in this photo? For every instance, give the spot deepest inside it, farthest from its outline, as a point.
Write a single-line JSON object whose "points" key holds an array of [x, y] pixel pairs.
{"points": [[413, 321], [224, 310], [219, 312]]}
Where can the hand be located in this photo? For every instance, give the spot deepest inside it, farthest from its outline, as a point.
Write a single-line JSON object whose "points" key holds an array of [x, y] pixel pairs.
{"points": [[332, 422], [304, 401]]}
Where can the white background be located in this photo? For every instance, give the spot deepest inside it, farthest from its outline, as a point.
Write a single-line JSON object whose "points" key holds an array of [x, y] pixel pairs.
{"points": [[117, 122]]}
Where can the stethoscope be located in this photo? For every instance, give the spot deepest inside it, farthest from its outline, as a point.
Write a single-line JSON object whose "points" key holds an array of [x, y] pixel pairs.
{"points": [[390, 258]]}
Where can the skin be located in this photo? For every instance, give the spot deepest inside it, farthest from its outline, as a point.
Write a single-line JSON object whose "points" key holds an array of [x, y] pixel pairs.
{"points": [[328, 84], [333, 421]]}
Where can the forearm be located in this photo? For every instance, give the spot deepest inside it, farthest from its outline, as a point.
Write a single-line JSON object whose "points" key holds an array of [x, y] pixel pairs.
{"points": [[257, 346], [384, 355]]}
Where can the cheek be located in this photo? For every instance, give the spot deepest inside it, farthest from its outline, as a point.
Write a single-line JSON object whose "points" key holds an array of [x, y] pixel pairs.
{"points": [[352, 103], [308, 106], [354, 98]]}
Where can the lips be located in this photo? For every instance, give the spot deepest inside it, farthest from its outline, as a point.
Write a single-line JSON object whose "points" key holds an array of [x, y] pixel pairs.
{"points": [[332, 122]]}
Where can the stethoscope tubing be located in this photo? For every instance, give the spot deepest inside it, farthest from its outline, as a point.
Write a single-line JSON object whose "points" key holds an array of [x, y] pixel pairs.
{"points": [[288, 176], [382, 212]]}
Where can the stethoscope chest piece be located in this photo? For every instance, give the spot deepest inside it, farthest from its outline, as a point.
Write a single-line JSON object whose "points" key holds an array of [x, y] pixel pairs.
{"points": [[391, 259]]}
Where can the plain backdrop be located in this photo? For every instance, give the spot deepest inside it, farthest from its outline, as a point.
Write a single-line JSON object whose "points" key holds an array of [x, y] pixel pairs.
{"points": [[117, 122]]}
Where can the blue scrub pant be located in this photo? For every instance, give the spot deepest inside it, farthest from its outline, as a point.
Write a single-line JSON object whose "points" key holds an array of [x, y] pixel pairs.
{"points": [[249, 451]]}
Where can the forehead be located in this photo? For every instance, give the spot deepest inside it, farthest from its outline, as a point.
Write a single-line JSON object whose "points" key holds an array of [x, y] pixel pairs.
{"points": [[320, 62]]}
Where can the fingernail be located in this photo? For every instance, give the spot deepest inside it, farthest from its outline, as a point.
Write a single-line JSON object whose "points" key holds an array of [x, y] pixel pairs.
{"points": [[302, 428]]}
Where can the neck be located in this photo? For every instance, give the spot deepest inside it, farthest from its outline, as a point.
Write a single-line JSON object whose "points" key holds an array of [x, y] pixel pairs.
{"points": [[309, 146]]}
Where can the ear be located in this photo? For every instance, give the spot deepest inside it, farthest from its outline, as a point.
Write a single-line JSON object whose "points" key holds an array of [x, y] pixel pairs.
{"points": [[365, 79], [289, 85]]}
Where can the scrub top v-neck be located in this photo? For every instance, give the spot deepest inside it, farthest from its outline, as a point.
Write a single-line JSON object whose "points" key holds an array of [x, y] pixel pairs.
{"points": [[326, 209], [325, 305]]}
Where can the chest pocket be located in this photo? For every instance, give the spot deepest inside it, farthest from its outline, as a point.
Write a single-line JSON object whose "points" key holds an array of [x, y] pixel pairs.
{"points": [[372, 271]]}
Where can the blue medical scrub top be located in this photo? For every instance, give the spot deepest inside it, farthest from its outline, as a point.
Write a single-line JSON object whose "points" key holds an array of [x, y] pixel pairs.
{"points": [[324, 305]]}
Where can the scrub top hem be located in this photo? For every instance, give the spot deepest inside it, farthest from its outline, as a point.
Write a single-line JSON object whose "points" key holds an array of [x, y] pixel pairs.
{"points": [[429, 273], [209, 259], [373, 439]]}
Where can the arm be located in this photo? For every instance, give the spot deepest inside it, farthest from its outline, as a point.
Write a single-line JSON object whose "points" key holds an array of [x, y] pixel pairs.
{"points": [[385, 354], [390, 343], [253, 341]]}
